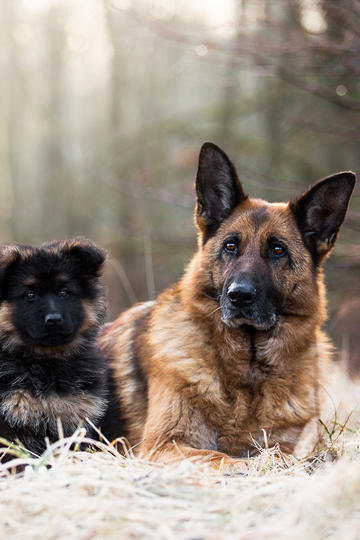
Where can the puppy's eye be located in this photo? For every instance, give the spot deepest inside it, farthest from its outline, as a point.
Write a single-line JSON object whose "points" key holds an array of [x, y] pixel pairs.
{"points": [[230, 247], [29, 295], [278, 250], [63, 292]]}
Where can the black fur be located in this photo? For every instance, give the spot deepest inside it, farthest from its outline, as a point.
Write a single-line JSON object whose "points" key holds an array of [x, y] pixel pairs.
{"points": [[218, 188], [52, 306], [320, 211], [112, 424], [84, 373]]}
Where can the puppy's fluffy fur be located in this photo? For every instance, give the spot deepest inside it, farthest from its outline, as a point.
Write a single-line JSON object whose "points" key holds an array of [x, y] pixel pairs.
{"points": [[51, 370]]}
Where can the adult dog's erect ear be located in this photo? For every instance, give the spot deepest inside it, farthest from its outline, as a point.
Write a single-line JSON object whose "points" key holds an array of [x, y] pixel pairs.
{"points": [[218, 189], [320, 211]]}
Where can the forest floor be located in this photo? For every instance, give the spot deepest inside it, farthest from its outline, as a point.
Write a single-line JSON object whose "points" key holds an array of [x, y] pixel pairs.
{"points": [[104, 495], [95, 495]]}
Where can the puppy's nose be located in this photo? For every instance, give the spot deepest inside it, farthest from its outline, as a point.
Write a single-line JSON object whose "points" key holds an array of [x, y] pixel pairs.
{"points": [[53, 319], [241, 293]]}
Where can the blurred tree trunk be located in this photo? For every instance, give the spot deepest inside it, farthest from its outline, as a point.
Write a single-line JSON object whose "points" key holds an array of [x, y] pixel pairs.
{"points": [[279, 101], [56, 179], [10, 137], [116, 97], [6, 181]]}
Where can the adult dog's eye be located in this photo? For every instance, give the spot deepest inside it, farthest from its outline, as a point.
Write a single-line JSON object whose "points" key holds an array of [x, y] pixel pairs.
{"points": [[278, 250], [29, 295], [63, 292], [230, 247]]}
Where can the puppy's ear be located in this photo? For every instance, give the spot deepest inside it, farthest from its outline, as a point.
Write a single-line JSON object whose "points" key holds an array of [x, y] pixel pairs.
{"points": [[218, 189], [87, 255], [320, 211], [10, 256]]}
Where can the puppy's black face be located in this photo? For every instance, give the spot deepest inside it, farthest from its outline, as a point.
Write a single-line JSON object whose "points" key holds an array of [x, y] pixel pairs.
{"points": [[51, 294], [47, 307]]}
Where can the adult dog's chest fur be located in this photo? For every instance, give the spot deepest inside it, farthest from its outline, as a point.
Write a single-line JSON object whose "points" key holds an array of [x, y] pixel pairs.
{"points": [[233, 391], [260, 405]]}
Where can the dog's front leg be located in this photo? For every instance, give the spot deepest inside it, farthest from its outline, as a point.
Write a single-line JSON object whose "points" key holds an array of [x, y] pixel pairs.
{"points": [[169, 452], [175, 431]]}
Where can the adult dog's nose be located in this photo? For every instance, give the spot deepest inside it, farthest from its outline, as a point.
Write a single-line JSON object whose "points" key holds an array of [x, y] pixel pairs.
{"points": [[241, 293], [53, 319]]}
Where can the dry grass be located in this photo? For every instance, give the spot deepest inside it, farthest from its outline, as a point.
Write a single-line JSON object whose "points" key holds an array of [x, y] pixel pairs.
{"points": [[87, 495], [104, 495]]}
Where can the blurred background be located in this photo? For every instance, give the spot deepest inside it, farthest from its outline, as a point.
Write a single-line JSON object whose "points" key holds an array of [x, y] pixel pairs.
{"points": [[104, 106]]}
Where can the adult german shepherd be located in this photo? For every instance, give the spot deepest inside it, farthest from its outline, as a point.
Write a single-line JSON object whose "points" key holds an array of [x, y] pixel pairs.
{"points": [[235, 348]]}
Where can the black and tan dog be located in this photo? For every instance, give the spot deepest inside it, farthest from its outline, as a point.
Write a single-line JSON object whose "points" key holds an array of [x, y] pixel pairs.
{"points": [[51, 369], [235, 348]]}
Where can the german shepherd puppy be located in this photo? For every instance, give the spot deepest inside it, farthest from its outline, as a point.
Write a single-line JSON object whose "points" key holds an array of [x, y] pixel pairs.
{"points": [[235, 348], [52, 306]]}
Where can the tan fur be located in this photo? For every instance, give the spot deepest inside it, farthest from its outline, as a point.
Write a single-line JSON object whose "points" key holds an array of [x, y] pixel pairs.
{"points": [[10, 251], [7, 328], [130, 390], [188, 384], [21, 408]]}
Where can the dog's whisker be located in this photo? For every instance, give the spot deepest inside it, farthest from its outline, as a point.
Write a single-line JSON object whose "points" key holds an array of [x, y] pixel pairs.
{"points": [[214, 311]]}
